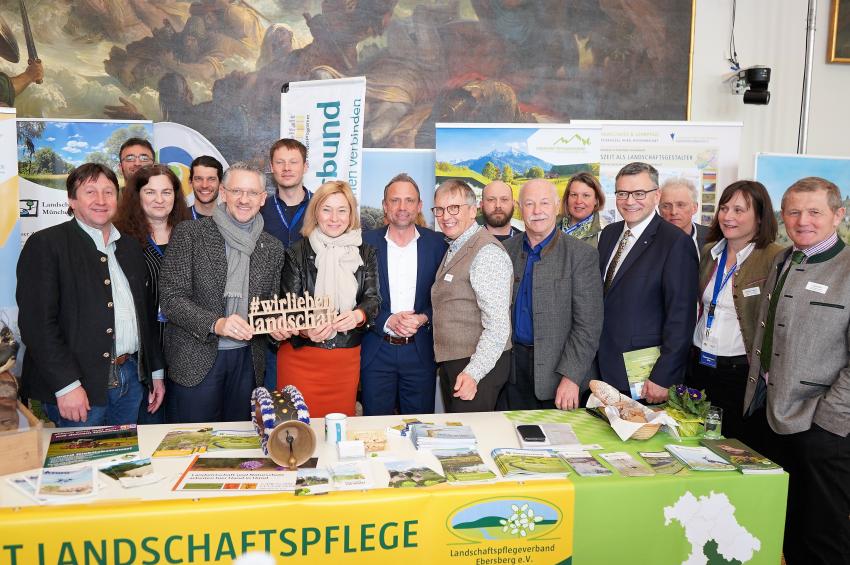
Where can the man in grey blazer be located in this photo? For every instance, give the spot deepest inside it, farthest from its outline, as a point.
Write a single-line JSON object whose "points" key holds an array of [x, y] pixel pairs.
{"points": [[213, 268], [556, 308], [799, 378]]}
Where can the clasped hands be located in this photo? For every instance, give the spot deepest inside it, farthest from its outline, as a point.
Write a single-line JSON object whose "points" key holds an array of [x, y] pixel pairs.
{"points": [[406, 323], [343, 322]]}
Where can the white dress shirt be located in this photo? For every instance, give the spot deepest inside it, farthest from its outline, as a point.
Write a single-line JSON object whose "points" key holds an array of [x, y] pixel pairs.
{"points": [[635, 234], [401, 276], [726, 339]]}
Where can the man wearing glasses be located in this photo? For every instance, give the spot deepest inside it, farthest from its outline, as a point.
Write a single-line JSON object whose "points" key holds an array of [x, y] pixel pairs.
{"points": [[471, 300], [134, 154], [212, 270], [649, 273], [205, 174]]}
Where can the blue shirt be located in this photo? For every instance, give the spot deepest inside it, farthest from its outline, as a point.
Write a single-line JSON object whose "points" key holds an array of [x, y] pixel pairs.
{"points": [[524, 307], [282, 221]]}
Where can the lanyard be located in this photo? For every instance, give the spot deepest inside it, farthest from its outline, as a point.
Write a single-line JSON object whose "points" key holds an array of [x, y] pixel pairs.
{"points": [[194, 214], [156, 247], [574, 227], [720, 281], [298, 213]]}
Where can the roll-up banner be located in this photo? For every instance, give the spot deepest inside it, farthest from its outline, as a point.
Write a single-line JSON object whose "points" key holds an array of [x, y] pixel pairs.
{"points": [[327, 116]]}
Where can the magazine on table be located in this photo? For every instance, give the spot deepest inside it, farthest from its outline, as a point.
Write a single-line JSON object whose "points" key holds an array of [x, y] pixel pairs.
{"points": [[221, 440], [312, 481], [180, 443], [746, 459], [233, 474], [529, 464], [349, 476], [133, 473], [626, 464], [433, 436], [80, 446], [584, 464], [408, 474], [463, 466], [663, 462], [71, 483], [700, 458]]}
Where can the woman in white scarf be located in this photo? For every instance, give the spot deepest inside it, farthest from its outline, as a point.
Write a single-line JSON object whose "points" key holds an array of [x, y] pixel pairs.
{"points": [[331, 260]]}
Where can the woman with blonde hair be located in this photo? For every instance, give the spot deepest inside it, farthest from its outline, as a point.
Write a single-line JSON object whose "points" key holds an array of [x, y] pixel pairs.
{"points": [[331, 260]]}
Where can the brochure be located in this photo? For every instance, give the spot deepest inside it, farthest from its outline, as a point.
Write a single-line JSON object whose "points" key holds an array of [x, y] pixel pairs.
{"points": [[746, 459], [406, 474], [626, 464], [235, 474], [584, 464], [663, 463], [310, 481], [26, 484], [68, 483], [529, 464], [349, 476], [133, 473], [700, 458], [463, 466], [80, 446], [433, 436], [639, 364], [180, 443], [233, 439]]}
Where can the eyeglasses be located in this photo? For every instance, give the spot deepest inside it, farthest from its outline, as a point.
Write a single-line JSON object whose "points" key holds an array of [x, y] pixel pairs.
{"points": [[452, 209], [240, 192], [141, 158], [636, 194]]}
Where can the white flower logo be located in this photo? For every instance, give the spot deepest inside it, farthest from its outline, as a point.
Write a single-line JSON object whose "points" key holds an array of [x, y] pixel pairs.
{"points": [[521, 521]]}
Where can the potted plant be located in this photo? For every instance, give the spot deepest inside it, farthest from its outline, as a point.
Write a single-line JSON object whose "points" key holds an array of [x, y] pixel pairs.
{"points": [[688, 407]]}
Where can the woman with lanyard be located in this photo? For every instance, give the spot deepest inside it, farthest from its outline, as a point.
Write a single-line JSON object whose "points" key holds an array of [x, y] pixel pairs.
{"points": [[330, 260], [151, 205], [583, 199], [734, 266]]}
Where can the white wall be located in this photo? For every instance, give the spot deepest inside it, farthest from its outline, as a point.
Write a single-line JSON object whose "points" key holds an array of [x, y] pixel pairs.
{"points": [[771, 33]]}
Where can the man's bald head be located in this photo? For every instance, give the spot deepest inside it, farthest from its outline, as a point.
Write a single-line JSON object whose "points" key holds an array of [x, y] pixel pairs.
{"points": [[497, 204]]}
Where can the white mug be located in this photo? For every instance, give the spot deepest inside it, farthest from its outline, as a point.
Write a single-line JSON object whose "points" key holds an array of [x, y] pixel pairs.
{"points": [[335, 427]]}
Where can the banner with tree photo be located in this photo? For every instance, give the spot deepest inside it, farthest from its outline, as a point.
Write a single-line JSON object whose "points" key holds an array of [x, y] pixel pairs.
{"points": [[49, 149]]}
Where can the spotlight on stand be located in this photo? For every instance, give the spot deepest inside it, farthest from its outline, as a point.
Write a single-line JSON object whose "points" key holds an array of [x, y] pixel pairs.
{"points": [[752, 83]]}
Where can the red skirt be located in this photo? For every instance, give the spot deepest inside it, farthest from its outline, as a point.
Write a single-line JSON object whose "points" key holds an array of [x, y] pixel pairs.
{"points": [[327, 378]]}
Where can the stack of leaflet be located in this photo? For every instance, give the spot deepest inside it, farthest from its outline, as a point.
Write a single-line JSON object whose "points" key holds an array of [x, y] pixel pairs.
{"points": [[435, 436]]}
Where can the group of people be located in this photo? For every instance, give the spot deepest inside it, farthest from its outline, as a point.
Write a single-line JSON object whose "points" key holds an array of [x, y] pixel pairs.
{"points": [[136, 309]]}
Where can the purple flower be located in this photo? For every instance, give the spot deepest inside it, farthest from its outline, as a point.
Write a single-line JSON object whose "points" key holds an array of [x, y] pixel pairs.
{"points": [[251, 465], [680, 390]]}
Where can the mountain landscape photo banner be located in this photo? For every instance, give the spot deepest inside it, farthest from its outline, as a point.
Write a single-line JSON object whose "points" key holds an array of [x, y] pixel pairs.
{"points": [[479, 154]]}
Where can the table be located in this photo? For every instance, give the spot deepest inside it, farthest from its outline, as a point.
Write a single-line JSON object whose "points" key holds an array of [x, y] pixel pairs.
{"points": [[685, 518]]}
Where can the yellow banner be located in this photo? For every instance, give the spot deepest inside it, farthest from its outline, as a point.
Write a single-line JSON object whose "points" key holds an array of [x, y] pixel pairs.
{"points": [[506, 523]]}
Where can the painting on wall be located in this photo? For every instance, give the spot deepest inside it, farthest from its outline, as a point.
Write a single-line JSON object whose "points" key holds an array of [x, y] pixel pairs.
{"points": [[218, 66], [838, 46]]}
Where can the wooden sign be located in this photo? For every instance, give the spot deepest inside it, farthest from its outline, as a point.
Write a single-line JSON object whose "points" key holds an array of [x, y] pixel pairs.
{"points": [[290, 313]]}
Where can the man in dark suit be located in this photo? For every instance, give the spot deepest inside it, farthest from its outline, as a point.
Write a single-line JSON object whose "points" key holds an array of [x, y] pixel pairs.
{"points": [[397, 367], [799, 381], [649, 273], [92, 343], [214, 267], [679, 203], [556, 307]]}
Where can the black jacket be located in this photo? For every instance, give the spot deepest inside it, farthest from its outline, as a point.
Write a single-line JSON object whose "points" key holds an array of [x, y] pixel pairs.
{"points": [[66, 314], [299, 275]]}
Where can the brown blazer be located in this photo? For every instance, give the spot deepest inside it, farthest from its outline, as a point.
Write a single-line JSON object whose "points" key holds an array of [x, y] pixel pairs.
{"points": [[752, 274]]}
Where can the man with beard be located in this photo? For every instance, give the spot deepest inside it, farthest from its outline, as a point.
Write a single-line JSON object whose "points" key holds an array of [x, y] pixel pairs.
{"points": [[397, 367], [134, 154], [497, 207], [205, 174]]}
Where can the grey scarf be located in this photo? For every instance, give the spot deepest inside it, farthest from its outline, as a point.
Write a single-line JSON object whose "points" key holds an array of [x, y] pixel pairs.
{"points": [[240, 244]]}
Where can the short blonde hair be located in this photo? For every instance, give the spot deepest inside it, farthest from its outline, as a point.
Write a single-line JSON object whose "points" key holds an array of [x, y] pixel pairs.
{"points": [[311, 217]]}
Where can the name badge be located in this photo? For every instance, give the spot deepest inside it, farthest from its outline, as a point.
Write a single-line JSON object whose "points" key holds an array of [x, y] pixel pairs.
{"points": [[448, 277], [820, 288], [753, 291], [708, 359]]}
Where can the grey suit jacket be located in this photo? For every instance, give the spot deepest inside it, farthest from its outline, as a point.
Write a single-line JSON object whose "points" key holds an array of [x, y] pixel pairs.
{"points": [[809, 377], [191, 294], [567, 297]]}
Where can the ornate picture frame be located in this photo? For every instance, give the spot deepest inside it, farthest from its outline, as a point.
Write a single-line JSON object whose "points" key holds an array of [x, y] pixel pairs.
{"points": [[838, 46]]}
